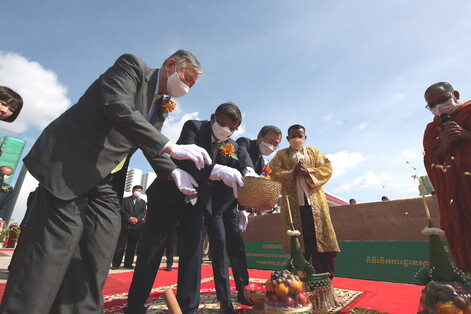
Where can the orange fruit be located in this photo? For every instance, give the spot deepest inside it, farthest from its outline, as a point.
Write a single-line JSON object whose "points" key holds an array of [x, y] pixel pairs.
{"points": [[467, 309], [268, 286], [296, 286], [281, 290], [448, 308]]}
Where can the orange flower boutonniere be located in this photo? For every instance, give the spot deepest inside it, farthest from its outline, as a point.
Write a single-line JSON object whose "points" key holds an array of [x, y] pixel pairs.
{"points": [[227, 150], [266, 171], [168, 105]]}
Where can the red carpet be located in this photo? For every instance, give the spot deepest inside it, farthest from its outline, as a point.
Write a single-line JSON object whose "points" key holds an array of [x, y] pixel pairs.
{"points": [[387, 297]]}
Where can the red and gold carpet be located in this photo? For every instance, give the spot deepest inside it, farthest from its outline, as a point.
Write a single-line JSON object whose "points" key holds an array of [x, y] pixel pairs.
{"points": [[116, 301]]}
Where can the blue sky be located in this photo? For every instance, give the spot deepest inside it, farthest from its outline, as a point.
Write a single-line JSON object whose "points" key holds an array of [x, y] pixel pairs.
{"points": [[352, 72]]}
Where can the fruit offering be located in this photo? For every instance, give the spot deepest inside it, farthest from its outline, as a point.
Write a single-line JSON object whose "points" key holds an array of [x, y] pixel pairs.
{"points": [[284, 290], [445, 297]]}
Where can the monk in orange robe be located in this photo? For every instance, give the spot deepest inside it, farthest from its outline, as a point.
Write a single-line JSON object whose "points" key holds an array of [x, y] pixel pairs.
{"points": [[447, 146]]}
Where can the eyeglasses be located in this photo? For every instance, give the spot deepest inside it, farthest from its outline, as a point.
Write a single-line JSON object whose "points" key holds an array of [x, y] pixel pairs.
{"points": [[441, 100], [224, 124]]}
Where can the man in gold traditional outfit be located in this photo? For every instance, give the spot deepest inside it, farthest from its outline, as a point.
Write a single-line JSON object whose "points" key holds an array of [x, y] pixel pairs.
{"points": [[303, 171]]}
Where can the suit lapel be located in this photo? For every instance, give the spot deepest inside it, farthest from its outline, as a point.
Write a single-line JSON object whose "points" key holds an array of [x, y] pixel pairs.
{"points": [[151, 80]]}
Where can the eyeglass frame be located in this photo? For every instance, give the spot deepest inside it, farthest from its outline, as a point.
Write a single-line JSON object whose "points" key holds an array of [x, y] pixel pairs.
{"points": [[442, 100], [224, 124]]}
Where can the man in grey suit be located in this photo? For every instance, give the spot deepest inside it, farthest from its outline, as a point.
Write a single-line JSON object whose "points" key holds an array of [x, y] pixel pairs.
{"points": [[64, 256]]}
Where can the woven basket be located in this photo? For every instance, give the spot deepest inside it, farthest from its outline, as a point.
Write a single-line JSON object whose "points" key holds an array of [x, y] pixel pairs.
{"points": [[259, 193], [360, 310]]}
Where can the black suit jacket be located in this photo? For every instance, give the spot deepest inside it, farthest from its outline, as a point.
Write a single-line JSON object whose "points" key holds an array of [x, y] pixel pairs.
{"points": [[130, 209], [5, 198], [213, 196], [248, 154], [83, 145]]}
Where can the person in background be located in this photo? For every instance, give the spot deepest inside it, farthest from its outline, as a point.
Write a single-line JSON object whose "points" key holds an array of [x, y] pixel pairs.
{"points": [[250, 154], [133, 210], [447, 147], [302, 171], [6, 192], [80, 161], [384, 199], [11, 104], [353, 201]]}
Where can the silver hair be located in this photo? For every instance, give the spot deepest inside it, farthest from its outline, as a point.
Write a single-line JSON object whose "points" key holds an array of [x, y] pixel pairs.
{"points": [[186, 58], [269, 128]]}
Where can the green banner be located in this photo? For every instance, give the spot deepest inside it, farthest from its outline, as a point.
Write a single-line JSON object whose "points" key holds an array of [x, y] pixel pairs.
{"points": [[393, 261]]}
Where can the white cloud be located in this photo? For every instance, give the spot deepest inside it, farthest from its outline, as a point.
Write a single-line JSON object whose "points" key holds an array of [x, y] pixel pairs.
{"points": [[343, 161], [332, 119], [173, 124], [362, 126], [368, 179], [43, 95]]}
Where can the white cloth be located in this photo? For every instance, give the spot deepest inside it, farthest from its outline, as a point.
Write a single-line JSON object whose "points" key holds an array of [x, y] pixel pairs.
{"points": [[243, 219]]}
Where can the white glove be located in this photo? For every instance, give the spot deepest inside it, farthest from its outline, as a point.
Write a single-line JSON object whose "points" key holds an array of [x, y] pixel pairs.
{"points": [[250, 172], [184, 181], [243, 219], [230, 176], [197, 154]]}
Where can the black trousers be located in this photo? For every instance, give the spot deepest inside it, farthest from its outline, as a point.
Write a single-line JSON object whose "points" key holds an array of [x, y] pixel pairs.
{"points": [[63, 259], [322, 261], [171, 246], [127, 242], [236, 249], [159, 223]]}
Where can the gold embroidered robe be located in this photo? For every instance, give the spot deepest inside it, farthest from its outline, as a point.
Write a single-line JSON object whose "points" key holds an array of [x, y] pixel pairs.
{"points": [[320, 171]]}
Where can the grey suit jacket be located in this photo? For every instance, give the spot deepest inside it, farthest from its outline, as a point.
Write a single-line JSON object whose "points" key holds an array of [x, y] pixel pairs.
{"points": [[83, 145]]}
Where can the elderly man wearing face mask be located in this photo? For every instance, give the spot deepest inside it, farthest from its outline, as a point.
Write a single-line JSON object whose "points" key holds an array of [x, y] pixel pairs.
{"points": [[303, 171], [80, 161], [250, 154], [447, 146]]}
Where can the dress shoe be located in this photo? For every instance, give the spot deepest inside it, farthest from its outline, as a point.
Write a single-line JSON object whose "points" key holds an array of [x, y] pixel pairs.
{"points": [[129, 267], [226, 308], [241, 298], [114, 267], [168, 268]]}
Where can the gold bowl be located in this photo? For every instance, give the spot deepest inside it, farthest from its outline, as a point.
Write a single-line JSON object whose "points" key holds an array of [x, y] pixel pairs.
{"points": [[259, 193]]}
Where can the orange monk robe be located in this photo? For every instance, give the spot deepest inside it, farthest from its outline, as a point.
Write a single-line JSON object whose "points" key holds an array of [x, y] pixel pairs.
{"points": [[452, 185], [320, 171]]}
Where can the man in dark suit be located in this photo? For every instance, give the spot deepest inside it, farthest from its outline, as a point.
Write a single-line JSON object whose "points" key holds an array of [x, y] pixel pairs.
{"points": [[250, 154], [64, 256], [6, 192], [166, 206], [133, 210]]}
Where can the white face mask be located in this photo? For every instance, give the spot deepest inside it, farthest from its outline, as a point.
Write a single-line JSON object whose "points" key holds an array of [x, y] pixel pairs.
{"points": [[296, 143], [175, 87], [448, 107], [266, 149], [6, 177], [221, 133], [136, 194]]}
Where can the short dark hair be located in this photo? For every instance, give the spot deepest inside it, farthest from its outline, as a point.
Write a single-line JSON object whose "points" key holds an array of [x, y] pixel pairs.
{"points": [[13, 99], [296, 127], [269, 128], [231, 110], [137, 187], [445, 85]]}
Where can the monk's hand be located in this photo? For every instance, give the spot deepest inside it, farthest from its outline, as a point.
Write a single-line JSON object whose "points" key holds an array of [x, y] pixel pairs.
{"points": [[450, 133], [301, 168]]}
